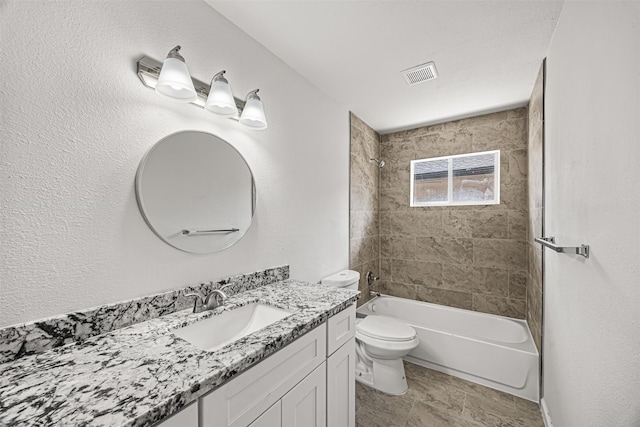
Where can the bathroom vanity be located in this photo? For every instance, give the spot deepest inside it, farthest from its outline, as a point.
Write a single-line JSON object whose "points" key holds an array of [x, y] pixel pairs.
{"points": [[310, 382], [298, 370]]}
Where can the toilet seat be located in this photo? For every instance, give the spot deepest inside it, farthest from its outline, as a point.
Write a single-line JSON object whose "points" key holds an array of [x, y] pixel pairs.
{"points": [[385, 328]]}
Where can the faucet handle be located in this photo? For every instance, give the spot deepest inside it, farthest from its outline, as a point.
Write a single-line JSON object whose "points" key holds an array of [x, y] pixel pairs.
{"points": [[199, 296], [371, 278], [212, 301]]}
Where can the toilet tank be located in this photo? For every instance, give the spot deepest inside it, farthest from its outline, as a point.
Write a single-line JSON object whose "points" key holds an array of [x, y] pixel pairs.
{"points": [[347, 279]]}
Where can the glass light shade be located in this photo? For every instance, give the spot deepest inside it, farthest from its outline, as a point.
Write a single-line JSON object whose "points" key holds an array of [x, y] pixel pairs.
{"points": [[174, 82], [253, 114], [220, 100]]}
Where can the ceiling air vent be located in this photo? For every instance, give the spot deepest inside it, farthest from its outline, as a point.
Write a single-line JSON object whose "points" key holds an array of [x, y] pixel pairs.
{"points": [[421, 73]]}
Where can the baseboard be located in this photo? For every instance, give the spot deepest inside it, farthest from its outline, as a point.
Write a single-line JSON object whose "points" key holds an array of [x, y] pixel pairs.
{"points": [[546, 417]]}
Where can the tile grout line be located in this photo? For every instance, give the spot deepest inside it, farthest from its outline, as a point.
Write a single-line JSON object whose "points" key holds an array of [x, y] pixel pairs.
{"points": [[464, 404], [413, 404]]}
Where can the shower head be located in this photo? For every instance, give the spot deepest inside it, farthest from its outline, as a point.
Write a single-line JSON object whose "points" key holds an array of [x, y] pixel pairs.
{"points": [[379, 162]]}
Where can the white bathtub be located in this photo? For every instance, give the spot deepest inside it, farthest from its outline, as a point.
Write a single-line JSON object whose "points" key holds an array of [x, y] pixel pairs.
{"points": [[494, 351]]}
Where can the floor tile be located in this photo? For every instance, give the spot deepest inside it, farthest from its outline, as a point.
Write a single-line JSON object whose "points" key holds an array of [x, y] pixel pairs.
{"points": [[434, 393], [435, 399], [436, 377], [528, 408], [422, 415], [377, 409], [491, 412]]}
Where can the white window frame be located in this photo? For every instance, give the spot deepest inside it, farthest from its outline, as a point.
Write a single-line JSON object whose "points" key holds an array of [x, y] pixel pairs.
{"points": [[449, 201]]}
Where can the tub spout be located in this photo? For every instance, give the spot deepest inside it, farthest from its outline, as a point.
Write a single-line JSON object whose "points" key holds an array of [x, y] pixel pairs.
{"points": [[374, 293]]}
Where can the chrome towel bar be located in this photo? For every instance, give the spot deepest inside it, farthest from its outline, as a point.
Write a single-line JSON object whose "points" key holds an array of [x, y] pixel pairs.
{"points": [[549, 242], [201, 232]]}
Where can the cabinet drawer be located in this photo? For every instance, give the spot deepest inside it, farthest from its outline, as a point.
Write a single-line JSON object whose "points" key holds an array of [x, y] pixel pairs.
{"points": [[244, 398], [340, 329]]}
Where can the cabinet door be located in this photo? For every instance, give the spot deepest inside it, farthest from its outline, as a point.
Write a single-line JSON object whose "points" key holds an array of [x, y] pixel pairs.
{"points": [[306, 404], [341, 386], [271, 418], [243, 399], [187, 417]]}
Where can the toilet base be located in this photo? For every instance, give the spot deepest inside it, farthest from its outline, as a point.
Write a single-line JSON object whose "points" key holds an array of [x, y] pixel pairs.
{"points": [[385, 375]]}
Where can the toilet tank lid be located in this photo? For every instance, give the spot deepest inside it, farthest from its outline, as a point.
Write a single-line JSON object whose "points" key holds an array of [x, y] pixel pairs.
{"points": [[341, 279], [386, 328]]}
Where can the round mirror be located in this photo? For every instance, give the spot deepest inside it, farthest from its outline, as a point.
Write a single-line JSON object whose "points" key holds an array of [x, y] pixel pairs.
{"points": [[196, 192]]}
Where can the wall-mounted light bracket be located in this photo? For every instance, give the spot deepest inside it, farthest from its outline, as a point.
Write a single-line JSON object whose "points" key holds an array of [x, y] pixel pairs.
{"points": [[149, 70]]}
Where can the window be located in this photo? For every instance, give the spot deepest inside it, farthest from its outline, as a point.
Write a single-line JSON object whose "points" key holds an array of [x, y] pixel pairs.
{"points": [[465, 179]]}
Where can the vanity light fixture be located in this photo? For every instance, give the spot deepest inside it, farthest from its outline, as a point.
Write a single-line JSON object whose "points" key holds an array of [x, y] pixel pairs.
{"points": [[253, 112], [169, 81], [220, 99], [174, 82]]}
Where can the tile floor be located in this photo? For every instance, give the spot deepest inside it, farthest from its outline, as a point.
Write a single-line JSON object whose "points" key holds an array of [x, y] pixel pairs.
{"points": [[435, 399]]}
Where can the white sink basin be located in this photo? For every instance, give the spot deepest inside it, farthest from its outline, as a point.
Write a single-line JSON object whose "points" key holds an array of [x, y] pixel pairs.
{"points": [[217, 331]]}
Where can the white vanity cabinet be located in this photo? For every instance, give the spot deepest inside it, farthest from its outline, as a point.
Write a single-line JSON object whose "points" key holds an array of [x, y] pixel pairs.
{"points": [[308, 383], [341, 369], [245, 398]]}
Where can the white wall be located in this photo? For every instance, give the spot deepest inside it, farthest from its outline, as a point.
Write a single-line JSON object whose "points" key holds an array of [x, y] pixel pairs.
{"points": [[75, 122], [592, 306]]}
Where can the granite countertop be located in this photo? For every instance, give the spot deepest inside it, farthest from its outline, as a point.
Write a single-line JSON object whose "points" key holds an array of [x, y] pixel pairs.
{"points": [[141, 374]]}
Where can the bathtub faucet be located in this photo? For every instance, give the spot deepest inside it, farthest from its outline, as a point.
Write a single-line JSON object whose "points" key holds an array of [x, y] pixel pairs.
{"points": [[374, 293], [371, 278]]}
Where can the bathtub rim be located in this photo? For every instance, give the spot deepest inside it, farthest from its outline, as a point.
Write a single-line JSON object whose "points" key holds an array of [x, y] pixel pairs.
{"points": [[532, 349]]}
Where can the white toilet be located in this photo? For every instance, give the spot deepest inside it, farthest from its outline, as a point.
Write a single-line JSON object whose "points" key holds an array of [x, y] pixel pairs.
{"points": [[381, 343]]}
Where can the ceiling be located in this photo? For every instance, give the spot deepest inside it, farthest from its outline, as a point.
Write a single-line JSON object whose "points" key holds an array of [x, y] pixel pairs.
{"points": [[487, 53]]}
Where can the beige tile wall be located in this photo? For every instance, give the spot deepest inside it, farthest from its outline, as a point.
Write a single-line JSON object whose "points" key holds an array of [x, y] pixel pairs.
{"points": [[534, 279], [364, 214], [472, 257]]}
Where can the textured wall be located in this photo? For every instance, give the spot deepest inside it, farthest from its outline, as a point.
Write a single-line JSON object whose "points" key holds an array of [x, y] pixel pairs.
{"points": [[472, 257], [535, 226], [364, 215], [76, 121], [592, 195]]}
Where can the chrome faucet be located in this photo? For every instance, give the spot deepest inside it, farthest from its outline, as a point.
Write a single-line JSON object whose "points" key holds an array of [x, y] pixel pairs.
{"points": [[371, 278], [374, 293], [214, 300]]}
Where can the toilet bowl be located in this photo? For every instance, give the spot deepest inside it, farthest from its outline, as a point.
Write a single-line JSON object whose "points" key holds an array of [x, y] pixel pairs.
{"points": [[381, 343]]}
